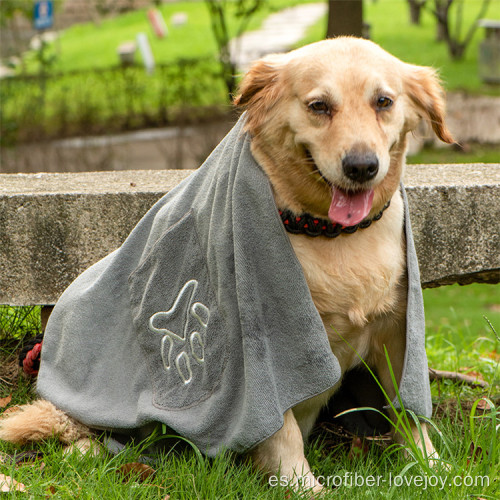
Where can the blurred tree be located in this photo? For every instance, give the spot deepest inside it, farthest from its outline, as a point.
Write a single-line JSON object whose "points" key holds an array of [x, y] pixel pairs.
{"points": [[11, 14], [219, 17], [9, 8], [415, 10], [104, 7], [453, 34]]}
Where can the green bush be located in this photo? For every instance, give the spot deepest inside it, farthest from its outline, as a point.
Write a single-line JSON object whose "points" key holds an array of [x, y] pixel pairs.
{"points": [[107, 100]]}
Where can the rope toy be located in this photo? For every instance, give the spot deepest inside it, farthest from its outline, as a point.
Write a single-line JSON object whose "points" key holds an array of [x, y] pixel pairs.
{"points": [[29, 357]]}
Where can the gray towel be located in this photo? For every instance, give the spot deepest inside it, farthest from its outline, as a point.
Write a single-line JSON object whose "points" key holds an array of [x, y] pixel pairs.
{"points": [[202, 320]]}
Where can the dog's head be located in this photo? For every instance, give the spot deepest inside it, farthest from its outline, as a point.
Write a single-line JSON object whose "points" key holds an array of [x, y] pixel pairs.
{"points": [[329, 124]]}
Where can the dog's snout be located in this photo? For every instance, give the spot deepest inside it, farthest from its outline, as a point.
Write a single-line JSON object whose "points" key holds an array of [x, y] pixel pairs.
{"points": [[360, 167]]}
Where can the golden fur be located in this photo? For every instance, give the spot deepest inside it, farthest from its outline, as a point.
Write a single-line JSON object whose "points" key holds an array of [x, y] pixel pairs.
{"points": [[357, 281], [38, 421]]}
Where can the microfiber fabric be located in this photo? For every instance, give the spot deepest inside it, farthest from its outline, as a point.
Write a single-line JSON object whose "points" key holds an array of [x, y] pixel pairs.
{"points": [[202, 320]]}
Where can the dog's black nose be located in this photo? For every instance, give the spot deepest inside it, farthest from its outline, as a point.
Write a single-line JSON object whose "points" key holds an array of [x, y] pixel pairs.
{"points": [[360, 167]]}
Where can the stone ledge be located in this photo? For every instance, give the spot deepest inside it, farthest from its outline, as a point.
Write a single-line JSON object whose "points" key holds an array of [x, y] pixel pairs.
{"points": [[54, 226]]}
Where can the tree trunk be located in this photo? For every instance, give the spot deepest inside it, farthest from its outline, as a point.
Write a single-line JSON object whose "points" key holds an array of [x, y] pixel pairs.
{"points": [[456, 44], [415, 10], [456, 49], [441, 32], [441, 13], [345, 17]]}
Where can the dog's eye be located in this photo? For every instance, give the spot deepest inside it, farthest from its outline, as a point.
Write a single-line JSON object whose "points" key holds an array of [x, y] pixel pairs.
{"points": [[384, 102], [319, 107]]}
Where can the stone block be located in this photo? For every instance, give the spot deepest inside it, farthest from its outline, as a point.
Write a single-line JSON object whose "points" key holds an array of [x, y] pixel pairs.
{"points": [[54, 226]]}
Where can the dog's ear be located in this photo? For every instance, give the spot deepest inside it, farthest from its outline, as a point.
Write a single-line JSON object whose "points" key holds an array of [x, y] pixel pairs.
{"points": [[260, 89], [427, 98]]}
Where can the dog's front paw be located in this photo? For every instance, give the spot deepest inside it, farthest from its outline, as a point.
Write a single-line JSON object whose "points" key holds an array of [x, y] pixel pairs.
{"points": [[423, 441], [309, 485], [306, 485], [85, 446]]}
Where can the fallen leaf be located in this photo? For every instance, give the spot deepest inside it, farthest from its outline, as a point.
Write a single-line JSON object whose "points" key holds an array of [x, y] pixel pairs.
{"points": [[475, 451], [142, 471], [483, 405], [5, 401], [494, 355], [12, 409], [7, 484]]}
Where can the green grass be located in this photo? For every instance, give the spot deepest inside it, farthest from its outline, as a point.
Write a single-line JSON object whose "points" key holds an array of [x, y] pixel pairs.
{"points": [[185, 476], [464, 307], [93, 46], [416, 44], [16, 323], [457, 337], [468, 446], [109, 101], [475, 153]]}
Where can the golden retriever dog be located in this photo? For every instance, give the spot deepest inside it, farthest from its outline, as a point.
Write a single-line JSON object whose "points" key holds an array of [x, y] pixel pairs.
{"points": [[328, 124], [330, 120]]}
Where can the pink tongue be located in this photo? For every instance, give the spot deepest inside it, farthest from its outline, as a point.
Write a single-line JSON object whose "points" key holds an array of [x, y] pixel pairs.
{"points": [[350, 209]]}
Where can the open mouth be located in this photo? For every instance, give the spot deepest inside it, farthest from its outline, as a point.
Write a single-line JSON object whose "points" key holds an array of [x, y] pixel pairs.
{"points": [[350, 207], [347, 207]]}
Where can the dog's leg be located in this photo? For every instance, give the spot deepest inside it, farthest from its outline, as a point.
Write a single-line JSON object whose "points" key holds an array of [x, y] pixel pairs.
{"points": [[283, 454], [427, 445], [396, 348], [40, 420], [306, 413], [84, 446]]}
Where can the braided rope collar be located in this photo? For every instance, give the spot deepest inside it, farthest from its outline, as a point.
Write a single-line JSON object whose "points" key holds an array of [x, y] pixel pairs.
{"points": [[312, 226]]}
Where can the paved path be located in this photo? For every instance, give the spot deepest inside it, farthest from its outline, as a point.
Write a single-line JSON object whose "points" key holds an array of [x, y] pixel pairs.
{"points": [[279, 32]]}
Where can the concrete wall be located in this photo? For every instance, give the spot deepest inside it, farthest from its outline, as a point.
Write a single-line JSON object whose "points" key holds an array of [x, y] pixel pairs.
{"points": [[53, 226]]}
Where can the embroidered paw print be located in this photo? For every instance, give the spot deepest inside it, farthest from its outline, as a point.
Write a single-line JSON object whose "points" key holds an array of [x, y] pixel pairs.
{"points": [[183, 327]]}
